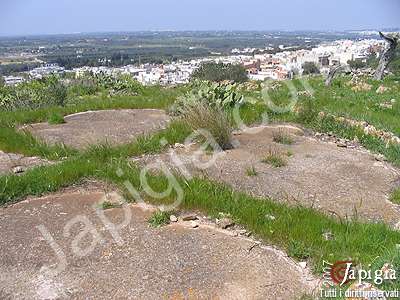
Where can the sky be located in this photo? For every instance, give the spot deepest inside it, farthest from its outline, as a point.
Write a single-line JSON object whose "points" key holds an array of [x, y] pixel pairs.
{"points": [[27, 17]]}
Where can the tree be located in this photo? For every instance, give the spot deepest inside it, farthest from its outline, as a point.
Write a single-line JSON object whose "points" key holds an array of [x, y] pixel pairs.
{"points": [[219, 72], [387, 55], [334, 71], [356, 64], [310, 68]]}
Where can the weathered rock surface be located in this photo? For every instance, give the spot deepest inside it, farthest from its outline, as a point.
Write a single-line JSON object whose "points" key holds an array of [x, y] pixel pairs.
{"points": [[94, 127], [57, 247]]}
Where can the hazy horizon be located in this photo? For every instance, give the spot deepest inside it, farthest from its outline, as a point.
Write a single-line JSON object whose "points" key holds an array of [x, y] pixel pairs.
{"points": [[48, 17]]}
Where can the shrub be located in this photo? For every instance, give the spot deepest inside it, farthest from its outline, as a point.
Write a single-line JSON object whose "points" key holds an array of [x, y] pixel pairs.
{"points": [[82, 87], [218, 72], [212, 119], [212, 94], [122, 85], [125, 85], [310, 68], [356, 64], [33, 95]]}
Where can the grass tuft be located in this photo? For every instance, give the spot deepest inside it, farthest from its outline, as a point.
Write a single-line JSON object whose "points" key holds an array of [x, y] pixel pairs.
{"points": [[159, 218], [212, 119], [55, 118], [109, 205], [280, 136], [251, 172], [395, 197], [275, 159]]}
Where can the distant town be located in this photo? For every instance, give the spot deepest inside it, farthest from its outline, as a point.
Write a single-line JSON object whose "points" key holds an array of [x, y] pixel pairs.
{"points": [[261, 66]]}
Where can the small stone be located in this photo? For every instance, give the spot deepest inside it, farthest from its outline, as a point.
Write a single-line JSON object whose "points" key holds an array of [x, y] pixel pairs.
{"points": [[189, 217], [194, 224], [270, 217], [178, 145], [242, 231], [173, 218], [341, 144], [303, 264], [18, 170], [379, 157], [381, 89], [328, 236], [224, 223]]}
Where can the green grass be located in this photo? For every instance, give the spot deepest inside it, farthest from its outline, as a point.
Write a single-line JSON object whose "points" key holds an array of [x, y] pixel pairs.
{"points": [[18, 141], [251, 172], [395, 196], [12, 140], [41, 180], [152, 97], [109, 205], [159, 218], [55, 118], [297, 230], [275, 159], [281, 137]]}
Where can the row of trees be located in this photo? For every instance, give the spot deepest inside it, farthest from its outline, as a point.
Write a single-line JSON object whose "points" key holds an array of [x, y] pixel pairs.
{"points": [[218, 72]]}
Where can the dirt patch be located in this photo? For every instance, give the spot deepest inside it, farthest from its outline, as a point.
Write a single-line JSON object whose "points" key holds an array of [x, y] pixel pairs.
{"points": [[94, 127], [336, 180], [172, 262], [11, 163]]}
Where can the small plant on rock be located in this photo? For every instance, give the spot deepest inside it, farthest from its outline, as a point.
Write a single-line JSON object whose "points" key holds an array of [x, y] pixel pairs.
{"points": [[251, 172], [282, 137], [109, 205], [213, 120], [275, 159], [159, 218]]}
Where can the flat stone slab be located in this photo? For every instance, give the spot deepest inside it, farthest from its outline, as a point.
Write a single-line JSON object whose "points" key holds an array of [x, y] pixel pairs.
{"points": [[11, 162], [57, 247], [94, 127], [339, 181]]}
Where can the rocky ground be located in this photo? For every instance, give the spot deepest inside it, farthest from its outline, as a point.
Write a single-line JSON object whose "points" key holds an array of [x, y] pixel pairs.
{"points": [[58, 247], [94, 127], [11, 163], [329, 174]]}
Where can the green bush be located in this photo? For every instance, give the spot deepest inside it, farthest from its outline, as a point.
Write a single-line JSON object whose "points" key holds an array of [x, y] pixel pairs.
{"points": [[213, 94], [310, 68], [33, 95], [218, 72], [212, 119], [122, 85], [356, 64]]}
